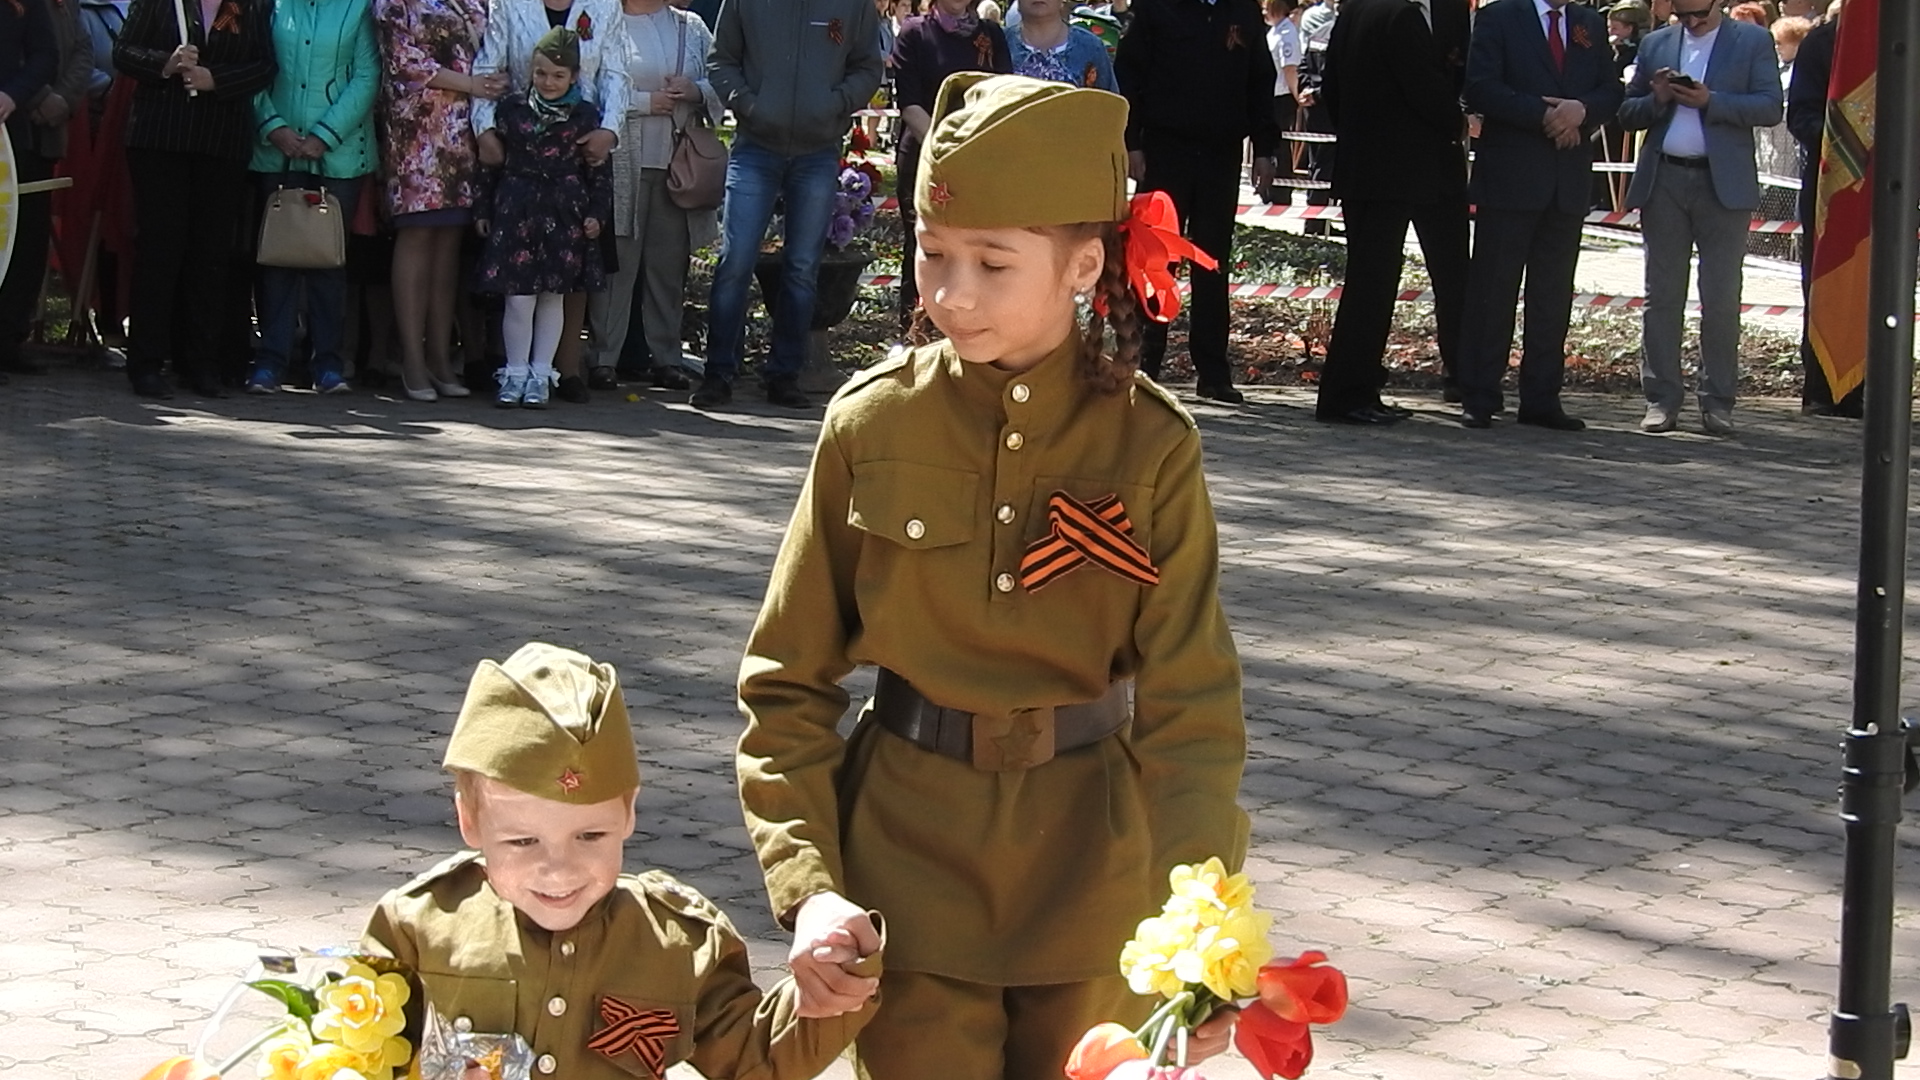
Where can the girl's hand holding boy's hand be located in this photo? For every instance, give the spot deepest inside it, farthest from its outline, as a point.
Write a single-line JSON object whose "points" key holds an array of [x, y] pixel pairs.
{"points": [[593, 228], [828, 931]]}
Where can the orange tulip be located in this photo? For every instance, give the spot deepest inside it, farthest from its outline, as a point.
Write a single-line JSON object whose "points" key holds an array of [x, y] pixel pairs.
{"points": [[181, 1068], [1276, 1046], [1307, 990], [1102, 1049]]}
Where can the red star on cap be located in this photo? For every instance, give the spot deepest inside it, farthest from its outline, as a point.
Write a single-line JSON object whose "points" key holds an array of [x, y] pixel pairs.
{"points": [[940, 194], [569, 781]]}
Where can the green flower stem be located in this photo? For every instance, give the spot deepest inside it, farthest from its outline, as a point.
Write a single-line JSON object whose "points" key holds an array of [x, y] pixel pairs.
{"points": [[1160, 1040], [1161, 1013], [259, 1041]]}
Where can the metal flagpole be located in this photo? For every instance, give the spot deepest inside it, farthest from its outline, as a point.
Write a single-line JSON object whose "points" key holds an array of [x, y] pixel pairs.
{"points": [[1867, 1032]]}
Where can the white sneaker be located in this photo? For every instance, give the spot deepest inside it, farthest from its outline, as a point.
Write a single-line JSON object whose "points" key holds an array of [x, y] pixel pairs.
{"points": [[539, 385], [1659, 419]]}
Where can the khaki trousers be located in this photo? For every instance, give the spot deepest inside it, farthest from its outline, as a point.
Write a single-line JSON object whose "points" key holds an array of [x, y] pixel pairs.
{"points": [[931, 1026], [656, 260]]}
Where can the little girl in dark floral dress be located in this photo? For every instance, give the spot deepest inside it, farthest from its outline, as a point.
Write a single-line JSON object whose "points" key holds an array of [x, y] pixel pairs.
{"points": [[542, 217]]}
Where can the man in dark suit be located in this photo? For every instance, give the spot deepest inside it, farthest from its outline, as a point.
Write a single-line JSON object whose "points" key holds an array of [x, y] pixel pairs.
{"points": [[1541, 75], [1199, 85], [1393, 86], [1807, 119]]}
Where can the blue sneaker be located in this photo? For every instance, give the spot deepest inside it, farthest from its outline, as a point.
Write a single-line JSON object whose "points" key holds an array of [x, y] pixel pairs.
{"points": [[331, 382], [262, 382], [513, 387], [539, 385]]}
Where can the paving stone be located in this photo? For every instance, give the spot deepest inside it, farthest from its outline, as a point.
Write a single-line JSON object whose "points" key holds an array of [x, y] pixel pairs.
{"points": [[1543, 728]]}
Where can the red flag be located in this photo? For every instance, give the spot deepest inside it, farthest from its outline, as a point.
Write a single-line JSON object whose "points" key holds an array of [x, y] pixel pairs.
{"points": [[1837, 312]]}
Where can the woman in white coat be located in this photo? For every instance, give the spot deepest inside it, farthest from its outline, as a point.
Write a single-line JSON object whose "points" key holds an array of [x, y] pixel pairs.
{"points": [[653, 237], [513, 28]]}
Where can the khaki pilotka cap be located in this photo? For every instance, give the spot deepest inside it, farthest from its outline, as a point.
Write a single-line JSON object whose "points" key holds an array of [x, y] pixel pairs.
{"points": [[1009, 152], [549, 722]]}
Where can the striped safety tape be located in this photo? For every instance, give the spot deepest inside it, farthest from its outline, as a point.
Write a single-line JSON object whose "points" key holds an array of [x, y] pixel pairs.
{"points": [[1251, 291]]}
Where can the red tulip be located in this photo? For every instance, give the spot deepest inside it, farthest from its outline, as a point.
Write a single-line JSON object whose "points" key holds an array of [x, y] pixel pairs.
{"points": [[1306, 991], [1102, 1049], [1275, 1046]]}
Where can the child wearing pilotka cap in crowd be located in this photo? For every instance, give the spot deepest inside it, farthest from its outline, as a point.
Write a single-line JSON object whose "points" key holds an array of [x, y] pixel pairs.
{"points": [[541, 217], [537, 932], [1013, 527]]}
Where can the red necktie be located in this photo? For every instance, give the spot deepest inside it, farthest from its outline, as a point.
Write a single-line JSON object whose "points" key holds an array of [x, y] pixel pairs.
{"points": [[1555, 47]]}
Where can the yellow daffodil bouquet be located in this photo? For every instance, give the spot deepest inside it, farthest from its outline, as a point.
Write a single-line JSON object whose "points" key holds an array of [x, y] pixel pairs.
{"points": [[346, 1021], [1208, 948]]}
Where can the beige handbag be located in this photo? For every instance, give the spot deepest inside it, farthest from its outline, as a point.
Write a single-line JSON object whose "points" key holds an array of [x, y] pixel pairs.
{"points": [[303, 229], [697, 172]]}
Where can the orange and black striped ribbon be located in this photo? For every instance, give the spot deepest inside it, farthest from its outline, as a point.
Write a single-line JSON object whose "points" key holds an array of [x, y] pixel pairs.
{"points": [[644, 1033], [1098, 532]]}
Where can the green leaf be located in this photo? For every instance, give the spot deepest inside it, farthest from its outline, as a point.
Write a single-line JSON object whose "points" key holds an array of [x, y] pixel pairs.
{"points": [[300, 1002]]}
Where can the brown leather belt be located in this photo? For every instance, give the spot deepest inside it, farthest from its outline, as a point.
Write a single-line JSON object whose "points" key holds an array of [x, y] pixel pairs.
{"points": [[1021, 739]]}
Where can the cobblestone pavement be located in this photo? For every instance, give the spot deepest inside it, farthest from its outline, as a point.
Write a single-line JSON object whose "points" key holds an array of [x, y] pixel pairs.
{"points": [[1544, 726]]}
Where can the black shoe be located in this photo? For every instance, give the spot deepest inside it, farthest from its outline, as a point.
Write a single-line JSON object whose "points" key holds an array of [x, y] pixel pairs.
{"points": [[573, 389], [1478, 420], [207, 386], [713, 393], [785, 390], [603, 378], [1394, 411], [1450, 394], [1368, 415], [669, 378], [1223, 393], [152, 386], [1556, 421], [1849, 411]]}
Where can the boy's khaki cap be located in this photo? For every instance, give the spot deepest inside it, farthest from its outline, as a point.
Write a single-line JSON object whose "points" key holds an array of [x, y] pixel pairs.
{"points": [[549, 722], [1009, 152]]}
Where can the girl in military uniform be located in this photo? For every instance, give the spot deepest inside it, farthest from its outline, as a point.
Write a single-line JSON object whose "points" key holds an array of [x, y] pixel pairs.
{"points": [[1013, 527]]}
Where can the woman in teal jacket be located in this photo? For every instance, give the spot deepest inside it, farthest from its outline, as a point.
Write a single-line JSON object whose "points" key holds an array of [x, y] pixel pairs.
{"points": [[314, 128]]}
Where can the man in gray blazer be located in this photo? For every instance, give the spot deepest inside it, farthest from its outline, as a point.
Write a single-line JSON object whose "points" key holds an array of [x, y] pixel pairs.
{"points": [[1702, 86]]}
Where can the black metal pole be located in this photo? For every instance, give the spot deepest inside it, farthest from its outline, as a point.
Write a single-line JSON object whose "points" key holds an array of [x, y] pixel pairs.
{"points": [[1867, 1031]]}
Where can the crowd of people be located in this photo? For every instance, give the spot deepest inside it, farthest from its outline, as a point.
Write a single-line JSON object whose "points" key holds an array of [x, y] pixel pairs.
{"points": [[505, 168]]}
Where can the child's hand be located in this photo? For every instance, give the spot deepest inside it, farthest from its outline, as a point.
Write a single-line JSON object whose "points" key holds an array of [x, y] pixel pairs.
{"points": [[593, 228], [1213, 1036], [828, 931], [482, 226]]}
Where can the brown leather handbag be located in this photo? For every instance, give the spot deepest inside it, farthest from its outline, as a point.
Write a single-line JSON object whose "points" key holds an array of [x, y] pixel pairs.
{"points": [[697, 172]]}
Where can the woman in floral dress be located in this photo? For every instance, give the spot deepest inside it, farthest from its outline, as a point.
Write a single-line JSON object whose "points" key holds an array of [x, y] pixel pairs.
{"points": [[427, 148]]}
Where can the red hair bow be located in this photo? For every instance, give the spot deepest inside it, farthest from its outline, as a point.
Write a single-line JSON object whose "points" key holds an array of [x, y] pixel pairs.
{"points": [[1153, 244]]}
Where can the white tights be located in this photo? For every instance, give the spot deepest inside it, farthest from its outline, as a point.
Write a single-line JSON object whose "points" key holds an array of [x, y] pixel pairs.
{"points": [[532, 333]]}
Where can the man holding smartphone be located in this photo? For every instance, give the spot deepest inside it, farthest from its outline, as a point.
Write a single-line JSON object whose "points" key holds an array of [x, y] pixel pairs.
{"points": [[1702, 86]]}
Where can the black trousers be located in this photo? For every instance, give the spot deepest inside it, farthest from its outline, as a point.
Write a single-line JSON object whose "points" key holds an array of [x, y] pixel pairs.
{"points": [[1286, 113], [907, 170], [1376, 254], [187, 208], [1541, 246], [20, 292], [1203, 180]]}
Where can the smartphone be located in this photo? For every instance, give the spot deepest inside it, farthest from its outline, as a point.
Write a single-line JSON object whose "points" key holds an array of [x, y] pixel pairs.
{"points": [[1681, 78]]}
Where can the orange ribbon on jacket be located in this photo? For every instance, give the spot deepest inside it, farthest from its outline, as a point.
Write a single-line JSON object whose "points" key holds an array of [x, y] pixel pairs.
{"points": [[1151, 239], [1098, 532], [644, 1033]]}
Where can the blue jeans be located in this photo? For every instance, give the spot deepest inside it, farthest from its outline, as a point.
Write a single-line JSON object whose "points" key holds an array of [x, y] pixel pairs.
{"points": [[279, 297], [755, 178]]}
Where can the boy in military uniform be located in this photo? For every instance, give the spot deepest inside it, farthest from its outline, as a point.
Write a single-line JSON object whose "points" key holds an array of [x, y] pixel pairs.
{"points": [[537, 932], [1013, 526]]}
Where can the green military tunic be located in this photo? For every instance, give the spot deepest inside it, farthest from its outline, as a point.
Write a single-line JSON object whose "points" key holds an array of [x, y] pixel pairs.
{"points": [[931, 478], [651, 944]]}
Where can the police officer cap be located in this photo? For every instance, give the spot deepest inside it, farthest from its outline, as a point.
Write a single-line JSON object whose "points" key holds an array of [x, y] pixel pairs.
{"points": [[1008, 152], [549, 722]]}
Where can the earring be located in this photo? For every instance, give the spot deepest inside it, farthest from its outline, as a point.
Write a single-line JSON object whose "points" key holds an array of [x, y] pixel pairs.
{"points": [[1082, 306]]}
